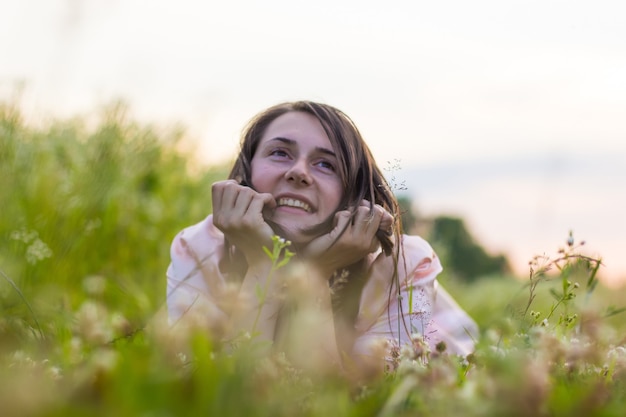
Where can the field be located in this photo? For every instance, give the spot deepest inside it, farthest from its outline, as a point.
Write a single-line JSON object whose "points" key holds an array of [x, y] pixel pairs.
{"points": [[89, 207]]}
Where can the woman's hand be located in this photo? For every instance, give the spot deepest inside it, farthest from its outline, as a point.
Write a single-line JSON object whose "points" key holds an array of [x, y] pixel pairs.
{"points": [[351, 239], [238, 213]]}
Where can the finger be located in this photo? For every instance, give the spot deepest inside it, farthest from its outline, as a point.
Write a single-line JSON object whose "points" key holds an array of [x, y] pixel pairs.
{"points": [[221, 199], [342, 221], [367, 221], [217, 189], [374, 245], [262, 203], [363, 208], [386, 216], [386, 222], [227, 194], [268, 200], [243, 198]]}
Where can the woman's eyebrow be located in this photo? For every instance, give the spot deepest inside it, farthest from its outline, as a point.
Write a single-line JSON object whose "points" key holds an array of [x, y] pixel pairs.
{"points": [[292, 142], [283, 140]]}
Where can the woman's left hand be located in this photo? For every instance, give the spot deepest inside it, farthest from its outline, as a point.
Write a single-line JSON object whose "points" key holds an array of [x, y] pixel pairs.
{"points": [[352, 238]]}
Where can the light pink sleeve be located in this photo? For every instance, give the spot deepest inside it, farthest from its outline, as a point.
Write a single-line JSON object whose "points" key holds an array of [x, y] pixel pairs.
{"points": [[398, 315], [452, 325], [421, 306], [193, 276]]}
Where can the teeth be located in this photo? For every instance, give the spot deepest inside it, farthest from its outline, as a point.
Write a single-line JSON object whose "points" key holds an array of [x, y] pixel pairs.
{"points": [[294, 203]]}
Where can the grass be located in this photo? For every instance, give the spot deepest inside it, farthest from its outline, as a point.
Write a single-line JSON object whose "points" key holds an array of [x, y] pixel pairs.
{"points": [[88, 213]]}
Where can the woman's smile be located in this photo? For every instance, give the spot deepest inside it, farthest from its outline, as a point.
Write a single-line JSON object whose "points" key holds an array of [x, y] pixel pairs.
{"points": [[298, 205]]}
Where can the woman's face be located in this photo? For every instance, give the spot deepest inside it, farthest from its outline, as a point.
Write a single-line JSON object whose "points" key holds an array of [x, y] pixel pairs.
{"points": [[296, 163]]}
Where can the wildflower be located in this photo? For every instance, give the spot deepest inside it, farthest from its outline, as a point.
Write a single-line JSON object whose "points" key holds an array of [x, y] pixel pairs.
{"points": [[120, 324], [407, 353], [92, 225], [182, 357], [617, 352], [24, 235], [20, 359], [105, 359], [55, 372], [90, 323], [94, 285], [421, 348], [393, 354], [441, 347], [37, 251]]}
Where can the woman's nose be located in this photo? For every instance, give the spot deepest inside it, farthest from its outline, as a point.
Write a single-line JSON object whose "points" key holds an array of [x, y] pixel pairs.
{"points": [[299, 173]]}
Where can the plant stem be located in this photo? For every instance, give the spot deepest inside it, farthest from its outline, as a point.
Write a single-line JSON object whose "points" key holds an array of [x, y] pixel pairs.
{"points": [[21, 294]]}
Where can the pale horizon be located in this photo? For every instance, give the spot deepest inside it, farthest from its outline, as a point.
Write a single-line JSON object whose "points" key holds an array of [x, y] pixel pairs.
{"points": [[459, 92]]}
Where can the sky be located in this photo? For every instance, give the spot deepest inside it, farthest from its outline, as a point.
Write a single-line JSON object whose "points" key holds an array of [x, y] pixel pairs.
{"points": [[508, 113]]}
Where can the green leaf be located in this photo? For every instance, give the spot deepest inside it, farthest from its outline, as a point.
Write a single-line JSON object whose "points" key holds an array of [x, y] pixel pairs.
{"points": [[612, 311], [592, 281], [557, 295], [282, 263]]}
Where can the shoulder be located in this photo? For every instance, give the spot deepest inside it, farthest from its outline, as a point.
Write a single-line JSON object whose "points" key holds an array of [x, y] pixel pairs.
{"points": [[417, 263], [418, 260], [197, 243], [202, 229], [199, 234], [414, 245]]}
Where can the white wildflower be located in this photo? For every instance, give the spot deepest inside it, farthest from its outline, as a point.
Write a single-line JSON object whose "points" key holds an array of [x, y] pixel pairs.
{"points": [[94, 285], [37, 251]]}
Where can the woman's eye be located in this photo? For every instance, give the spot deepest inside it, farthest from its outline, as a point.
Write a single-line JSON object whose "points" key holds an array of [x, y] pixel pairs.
{"points": [[278, 152], [326, 165]]}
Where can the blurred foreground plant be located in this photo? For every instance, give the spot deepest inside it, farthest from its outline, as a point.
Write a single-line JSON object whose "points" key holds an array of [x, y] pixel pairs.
{"points": [[573, 270], [82, 331]]}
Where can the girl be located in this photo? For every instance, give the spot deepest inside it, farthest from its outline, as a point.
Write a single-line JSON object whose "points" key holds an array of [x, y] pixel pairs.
{"points": [[304, 173]]}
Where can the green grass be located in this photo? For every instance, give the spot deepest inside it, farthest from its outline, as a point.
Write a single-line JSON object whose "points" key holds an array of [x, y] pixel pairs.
{"points": [[88, 214]]}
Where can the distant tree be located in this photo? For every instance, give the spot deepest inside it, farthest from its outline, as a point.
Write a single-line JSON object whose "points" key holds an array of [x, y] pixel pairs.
{"points": [[465, 258]]}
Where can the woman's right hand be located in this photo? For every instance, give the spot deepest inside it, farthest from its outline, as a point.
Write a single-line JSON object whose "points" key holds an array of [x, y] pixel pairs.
{"points": [[238, 213]]}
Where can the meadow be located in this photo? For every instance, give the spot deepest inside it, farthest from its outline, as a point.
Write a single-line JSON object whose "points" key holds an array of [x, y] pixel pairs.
{"points": [[89, 207]]}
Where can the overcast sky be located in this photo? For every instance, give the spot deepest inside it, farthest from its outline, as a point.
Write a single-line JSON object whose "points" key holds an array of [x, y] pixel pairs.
{"points": [[449, 83]]}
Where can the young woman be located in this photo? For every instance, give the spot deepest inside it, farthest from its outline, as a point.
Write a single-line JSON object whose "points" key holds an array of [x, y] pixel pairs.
{"points": [[304, 173]]}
